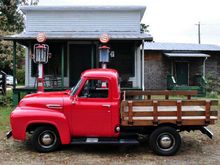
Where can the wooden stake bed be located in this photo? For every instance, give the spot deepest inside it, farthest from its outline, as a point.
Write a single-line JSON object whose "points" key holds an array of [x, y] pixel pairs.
{"points": [[179, 112]]}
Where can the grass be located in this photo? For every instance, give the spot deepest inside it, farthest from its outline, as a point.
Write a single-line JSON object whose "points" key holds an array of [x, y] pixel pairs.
{"points": [[4, 119]]}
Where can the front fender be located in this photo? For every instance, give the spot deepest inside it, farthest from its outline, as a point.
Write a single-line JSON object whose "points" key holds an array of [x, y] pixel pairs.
{"points": [[21, 119]]}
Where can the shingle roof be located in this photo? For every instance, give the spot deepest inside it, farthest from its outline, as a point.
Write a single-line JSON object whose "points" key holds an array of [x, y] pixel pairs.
{"points": [[80, 36], [186, 55], [180, 47]]}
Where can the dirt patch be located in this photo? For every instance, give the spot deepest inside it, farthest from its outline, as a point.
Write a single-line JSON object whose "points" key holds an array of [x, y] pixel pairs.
{"points": [[196, 149]]}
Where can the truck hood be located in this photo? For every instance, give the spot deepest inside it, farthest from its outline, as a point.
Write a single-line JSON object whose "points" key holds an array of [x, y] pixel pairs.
{"points": [[48, 100]]}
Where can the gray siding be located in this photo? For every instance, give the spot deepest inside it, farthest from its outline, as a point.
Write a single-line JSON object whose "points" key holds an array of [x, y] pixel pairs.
{"points": [[81, 21]]}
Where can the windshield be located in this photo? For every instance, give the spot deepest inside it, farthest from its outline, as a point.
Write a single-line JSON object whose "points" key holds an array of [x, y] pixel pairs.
{"points": [[76, 87]]}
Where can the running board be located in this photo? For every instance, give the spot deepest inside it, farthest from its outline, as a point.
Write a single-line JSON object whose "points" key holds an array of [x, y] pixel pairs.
{"points": [[206, 131], [103, 141]]}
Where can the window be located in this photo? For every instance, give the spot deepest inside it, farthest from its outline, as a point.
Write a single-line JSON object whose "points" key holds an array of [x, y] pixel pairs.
{"points": [[95, 89]]}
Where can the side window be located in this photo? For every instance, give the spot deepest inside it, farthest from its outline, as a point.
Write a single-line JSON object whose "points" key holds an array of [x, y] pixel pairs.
{"points": [[95, 89]]}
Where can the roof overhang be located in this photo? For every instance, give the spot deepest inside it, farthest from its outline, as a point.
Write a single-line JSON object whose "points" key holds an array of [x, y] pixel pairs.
{"points": [[186, 55], [140, 9], [79, 36]]}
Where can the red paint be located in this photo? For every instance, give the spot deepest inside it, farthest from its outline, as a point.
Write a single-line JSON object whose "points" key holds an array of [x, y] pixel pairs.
{"points": [[73, 116]]}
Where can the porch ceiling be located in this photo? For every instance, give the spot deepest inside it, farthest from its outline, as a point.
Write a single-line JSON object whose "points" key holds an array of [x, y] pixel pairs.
{"points": [[186, 55], [80, 36]]}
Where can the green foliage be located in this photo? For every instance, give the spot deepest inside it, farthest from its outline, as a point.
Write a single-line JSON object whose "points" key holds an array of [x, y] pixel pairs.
{"points": [[20, 76], [4, 119], [11, 22], [213, 87], [6, 100], [144, 28]]}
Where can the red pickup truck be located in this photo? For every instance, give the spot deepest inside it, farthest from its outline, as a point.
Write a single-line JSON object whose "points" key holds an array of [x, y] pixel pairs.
{"points": [[95, 111]]}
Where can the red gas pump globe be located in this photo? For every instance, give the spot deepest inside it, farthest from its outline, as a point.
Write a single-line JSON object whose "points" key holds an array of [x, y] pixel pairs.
{"points": [[104, 38], [41, 37]]}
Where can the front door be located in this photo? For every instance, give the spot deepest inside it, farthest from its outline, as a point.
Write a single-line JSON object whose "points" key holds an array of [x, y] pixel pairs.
{"points": [[81, 57], [182, 73], [91, 110]]}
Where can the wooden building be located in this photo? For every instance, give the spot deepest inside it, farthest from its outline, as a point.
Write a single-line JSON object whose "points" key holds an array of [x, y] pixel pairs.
{"points": [[180, 66], [73, 37]]}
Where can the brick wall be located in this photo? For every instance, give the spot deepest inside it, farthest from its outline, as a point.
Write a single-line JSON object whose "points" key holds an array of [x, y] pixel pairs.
{"points": [[156, 68]]}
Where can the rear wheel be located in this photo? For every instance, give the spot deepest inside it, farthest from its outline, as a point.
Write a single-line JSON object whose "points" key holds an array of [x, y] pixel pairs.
{"points": [[165, 141], [45, 139]]}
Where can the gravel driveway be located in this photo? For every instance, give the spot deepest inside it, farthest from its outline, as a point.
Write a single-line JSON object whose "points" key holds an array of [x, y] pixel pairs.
{"points": [[196, 149]]}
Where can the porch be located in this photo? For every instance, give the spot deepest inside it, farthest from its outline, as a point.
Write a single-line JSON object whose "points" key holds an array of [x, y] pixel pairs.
{"points": [[69, 58], [187, 72]]}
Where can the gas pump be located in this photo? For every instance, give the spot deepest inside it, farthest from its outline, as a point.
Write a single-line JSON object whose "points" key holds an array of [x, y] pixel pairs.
{"points": [[104, 50], [40, 57]]}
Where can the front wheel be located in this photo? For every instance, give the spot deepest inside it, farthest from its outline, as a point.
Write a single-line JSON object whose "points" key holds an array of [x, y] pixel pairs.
{"points": [[165, 141], [45, 139]]}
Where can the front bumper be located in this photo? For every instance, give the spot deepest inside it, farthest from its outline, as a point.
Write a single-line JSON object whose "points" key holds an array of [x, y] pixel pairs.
{"points": [[8, 134]]}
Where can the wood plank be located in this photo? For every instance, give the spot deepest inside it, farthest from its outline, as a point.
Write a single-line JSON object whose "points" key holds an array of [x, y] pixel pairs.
{"points": [[207, 110], [184, 122], [162, 92], [130, 112], [155, 112], [179, 112], [171, 113]]}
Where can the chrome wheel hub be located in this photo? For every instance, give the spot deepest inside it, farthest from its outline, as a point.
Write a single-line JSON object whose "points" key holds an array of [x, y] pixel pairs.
{"points": [[47, 139], [165, 141]]}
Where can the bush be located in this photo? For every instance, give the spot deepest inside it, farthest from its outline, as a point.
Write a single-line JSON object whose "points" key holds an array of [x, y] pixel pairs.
{"points": [[213, 85], [20, 76]]}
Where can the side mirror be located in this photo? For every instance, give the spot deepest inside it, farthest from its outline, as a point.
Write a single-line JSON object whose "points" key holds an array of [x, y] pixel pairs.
{"points": [[74, 100]]}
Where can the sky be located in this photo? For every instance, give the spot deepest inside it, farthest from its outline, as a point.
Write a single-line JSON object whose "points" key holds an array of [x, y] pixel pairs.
{"points": [[169, 20]]}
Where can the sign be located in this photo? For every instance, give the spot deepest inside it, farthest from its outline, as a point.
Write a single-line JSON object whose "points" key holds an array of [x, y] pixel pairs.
{"points": [[104, 38], [41, 37]]}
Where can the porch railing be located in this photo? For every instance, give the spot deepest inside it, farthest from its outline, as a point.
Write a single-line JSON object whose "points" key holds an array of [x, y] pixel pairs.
{"points": [[199, 84]]}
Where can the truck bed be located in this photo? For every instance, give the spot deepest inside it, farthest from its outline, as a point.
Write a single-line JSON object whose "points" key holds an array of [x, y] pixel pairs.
{"points": [[151, 112]]}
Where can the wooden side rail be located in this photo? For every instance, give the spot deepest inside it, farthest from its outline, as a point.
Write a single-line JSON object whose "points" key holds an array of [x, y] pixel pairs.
{"points": [[166, 93], [179, 112]]}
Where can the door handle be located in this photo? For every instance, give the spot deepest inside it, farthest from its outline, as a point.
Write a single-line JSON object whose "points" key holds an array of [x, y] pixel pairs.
{"points": [[106, 105]]}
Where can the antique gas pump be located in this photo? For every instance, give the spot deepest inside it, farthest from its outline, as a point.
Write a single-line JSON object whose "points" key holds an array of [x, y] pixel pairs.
{"points": [[104, 50], [40, 57]]}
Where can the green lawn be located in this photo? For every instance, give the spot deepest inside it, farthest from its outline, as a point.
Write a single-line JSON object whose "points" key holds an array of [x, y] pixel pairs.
{"points": [[4, 119]]}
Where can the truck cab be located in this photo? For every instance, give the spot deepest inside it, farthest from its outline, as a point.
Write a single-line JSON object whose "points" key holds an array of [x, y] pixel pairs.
{"points": [[94, 104]]}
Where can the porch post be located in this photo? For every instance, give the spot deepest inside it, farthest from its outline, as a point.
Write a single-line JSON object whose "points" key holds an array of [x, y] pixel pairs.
{"points": [[62, 66], [15, 94], [92, 56], [14, 64], [142, 66], [203, 67]]}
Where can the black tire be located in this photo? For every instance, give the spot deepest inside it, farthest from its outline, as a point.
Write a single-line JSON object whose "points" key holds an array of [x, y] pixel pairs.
{"points": [[50, 142], [165, 141]]}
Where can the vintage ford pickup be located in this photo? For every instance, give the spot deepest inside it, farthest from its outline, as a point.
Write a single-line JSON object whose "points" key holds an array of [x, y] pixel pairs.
{"points": [[95, 111]]}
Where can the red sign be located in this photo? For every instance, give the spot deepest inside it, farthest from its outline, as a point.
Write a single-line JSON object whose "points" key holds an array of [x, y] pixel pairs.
{"points": [[41, 37], [104, 38]]}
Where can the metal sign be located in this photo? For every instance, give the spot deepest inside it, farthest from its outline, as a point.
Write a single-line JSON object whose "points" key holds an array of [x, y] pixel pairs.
{"points": [[41, 37], [104, 38]]}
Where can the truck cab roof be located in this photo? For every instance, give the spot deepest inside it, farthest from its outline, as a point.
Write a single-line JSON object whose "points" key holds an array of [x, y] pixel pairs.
{"points": [[108, 73]]}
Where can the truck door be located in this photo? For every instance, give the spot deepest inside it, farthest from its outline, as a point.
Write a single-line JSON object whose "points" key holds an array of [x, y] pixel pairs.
{"points": [[91, 110]]}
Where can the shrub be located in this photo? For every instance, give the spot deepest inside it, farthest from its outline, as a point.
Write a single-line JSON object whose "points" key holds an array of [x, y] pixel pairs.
{"points": [[213, 85], [20, 76]]}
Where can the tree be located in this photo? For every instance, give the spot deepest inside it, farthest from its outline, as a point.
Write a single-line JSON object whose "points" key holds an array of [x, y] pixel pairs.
{"points": [[144, 28], [11, 22]]}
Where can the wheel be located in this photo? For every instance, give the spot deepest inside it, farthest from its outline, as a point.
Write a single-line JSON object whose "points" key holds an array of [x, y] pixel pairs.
{"points": [[45, 139], [165, 141]]}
